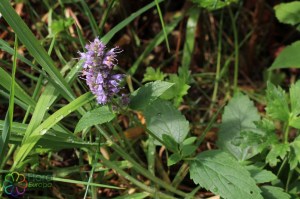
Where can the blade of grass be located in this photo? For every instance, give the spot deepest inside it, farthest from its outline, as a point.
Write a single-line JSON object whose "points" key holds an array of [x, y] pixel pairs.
{"points": [[152, 191], [9, 114], [105, 16], [188, 48], [107, 37], [6, 82], [54, 139], [34, 47], [84, 183], [162, 24], [217, 78], [91, 18], [5, 47], [33, 138], [81, 39], [20, 103]]}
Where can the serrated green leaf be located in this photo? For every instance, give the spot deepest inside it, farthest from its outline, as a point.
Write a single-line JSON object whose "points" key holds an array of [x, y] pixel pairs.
{"points": [[173, 159], [220, 173], [277, 150], [288, 13], [266, 125], [239, 115], [153, 75], [60, 25], [294, 157], [163, 118], [295, 105], [178, 91], [289, 57], [97, 116], [170, 143], [213, 4], [270, 192], [261, 175], [267, 137], [147, 94], [254, 140], [277, 103], [188, 150], [250, 138]]}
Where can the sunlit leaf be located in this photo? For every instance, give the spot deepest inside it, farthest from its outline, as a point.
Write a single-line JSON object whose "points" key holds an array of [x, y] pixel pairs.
{"points": [[277, 103], [289, 57], [277, 151], [239, 116], [97, 116], [271, 192], [147, 94], [288, 13], [220, 173], [163, 118]]}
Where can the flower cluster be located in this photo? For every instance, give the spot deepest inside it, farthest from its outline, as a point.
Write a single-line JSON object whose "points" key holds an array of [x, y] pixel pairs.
{"points": [[97, 69]]}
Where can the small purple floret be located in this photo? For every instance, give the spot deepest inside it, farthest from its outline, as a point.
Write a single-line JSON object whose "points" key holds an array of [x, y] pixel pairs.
{"points": [[97, 69]]}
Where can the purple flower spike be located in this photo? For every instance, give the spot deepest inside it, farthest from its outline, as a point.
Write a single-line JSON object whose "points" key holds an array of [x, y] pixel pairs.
{"points": [[97, 68]]}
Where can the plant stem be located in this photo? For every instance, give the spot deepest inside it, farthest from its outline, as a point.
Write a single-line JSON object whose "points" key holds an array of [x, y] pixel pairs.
{"points": [[160, 170], [151, 155], [281, 166], [217, 79], [127, 142], [236, 51], [191, 195], [286, 134], [183, 171], [133, 180], [138, 167], [208, 127], [288, 180]]}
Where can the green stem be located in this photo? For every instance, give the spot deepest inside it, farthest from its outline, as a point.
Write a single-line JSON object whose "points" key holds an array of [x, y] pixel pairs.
{"points": [[105, 16], [211, 122], [236, 51], [286, 134], [160, 170], [162, 24], [115, 133], [191, 195], [10, 152], [129, 83], [281, 166], [217, 79], [152, 191], [127, 142], [151, 155], [288, 180], [183, 171], [137, 167]]}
